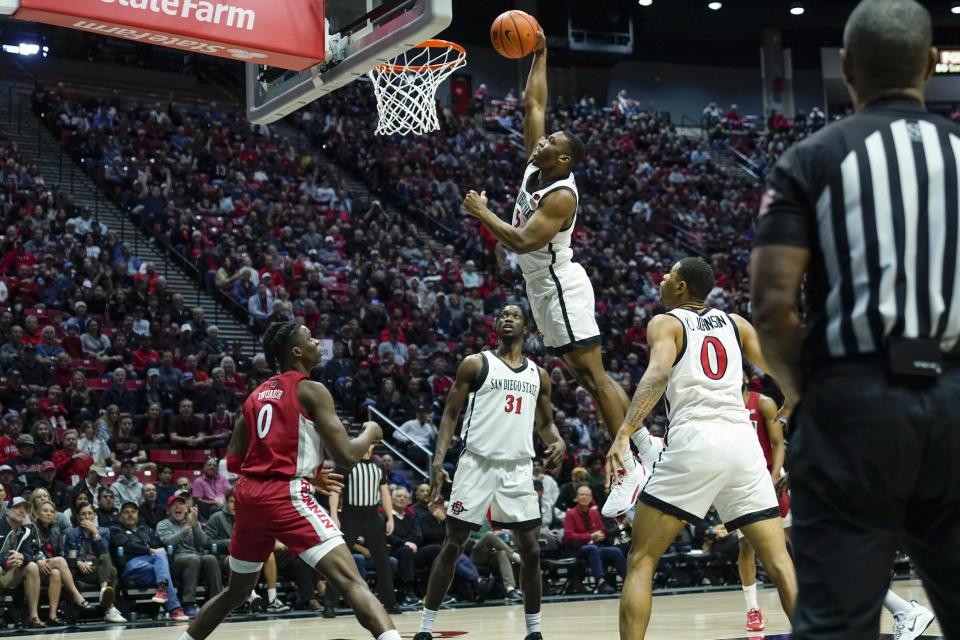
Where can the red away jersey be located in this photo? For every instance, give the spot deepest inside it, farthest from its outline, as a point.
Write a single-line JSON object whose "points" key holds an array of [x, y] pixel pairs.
{"points": [[282, 439], [760, 425]]}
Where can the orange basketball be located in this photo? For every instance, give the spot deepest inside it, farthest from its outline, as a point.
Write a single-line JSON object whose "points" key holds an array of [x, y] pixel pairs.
{"points": [[514, 34]]}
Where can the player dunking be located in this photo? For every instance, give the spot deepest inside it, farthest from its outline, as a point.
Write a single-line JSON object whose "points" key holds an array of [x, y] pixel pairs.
{"points": [[712, 454], [279, 437], [560, 293], [509, 397]]}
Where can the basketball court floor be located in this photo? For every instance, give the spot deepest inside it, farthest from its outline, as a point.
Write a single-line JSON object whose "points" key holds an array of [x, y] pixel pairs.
{"points": [[696, 616]]}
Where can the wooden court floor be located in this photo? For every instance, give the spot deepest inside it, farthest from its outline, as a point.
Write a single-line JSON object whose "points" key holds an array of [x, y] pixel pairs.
{"points": [[699, 616]]}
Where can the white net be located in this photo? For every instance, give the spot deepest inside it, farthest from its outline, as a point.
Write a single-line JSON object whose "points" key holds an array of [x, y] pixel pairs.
{"points": [[406, 87]]}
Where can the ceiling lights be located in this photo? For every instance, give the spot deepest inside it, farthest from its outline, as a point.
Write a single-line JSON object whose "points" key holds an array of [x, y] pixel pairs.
{"points": [[645, 3], [714, 6], [796, 9]]}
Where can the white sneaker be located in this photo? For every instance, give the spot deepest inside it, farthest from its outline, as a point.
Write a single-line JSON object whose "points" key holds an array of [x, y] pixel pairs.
{"points": [[652, 454], [113, 615], [624, 491], [911, 624]]}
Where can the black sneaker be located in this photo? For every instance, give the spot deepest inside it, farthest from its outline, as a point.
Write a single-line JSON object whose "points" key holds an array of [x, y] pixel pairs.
{"points": [[604, 589], [423, 635], [514, 595], [534, 636], [410, 601], [394, 609], [329, 611]]}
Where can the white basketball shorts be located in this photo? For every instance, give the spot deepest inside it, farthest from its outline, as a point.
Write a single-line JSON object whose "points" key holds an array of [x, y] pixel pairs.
{"points": [[561, 299], [712, 463], [503, 486]]}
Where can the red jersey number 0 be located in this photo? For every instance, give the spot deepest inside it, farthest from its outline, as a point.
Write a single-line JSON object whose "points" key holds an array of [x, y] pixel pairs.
{"points": [[721, 358], [264, 420]]}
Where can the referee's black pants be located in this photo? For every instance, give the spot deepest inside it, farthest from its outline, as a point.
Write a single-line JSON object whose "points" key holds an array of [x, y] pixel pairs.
{"points": [[874, 466], [365, 522]]}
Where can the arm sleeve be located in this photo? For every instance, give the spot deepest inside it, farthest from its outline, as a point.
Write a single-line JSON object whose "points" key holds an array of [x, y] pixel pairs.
{"points": [[787, 215], [573, 532]]}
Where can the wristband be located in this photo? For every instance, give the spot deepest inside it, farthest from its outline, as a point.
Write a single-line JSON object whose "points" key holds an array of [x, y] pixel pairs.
{"points": [[234, 463]]}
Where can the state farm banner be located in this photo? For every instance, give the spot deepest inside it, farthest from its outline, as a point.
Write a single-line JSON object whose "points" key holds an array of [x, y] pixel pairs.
{"points": [[288, 34]]}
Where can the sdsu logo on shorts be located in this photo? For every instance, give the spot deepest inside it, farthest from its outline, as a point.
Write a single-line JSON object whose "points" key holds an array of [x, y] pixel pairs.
{"points": [[457, 508]]}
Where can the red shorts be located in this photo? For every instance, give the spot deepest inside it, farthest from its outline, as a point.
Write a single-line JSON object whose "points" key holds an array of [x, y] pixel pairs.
{"points": [[784, 502], [269, 509]]}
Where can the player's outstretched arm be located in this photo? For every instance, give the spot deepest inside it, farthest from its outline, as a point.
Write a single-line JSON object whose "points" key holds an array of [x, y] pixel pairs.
{"points": [[468, 373], [778, 450], [750, 344], [663, 334], [545, 426], [536, 96], [553, 213], [318, 403], [238, 444]]}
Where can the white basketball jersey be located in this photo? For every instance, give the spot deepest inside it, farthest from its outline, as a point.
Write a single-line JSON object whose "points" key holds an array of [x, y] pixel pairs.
{"points": [[705, 382], [528, 200], [500, 413]]}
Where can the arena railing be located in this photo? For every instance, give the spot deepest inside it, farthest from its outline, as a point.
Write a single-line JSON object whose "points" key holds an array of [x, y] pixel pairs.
{"points": [[373, 412]]}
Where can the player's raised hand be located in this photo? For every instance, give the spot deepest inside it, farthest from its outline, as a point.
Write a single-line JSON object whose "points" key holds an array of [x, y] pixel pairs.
{"points": [[554, 453], [371, 426], [541, 42], [620, 446], [438, 478], [328, 482], [475, 203]]}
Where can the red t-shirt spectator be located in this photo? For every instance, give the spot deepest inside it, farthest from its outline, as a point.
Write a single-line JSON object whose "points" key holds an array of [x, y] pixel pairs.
{"points": [[16, 259], [8, 449], [141, 358], [575, 526], [68, 466]]}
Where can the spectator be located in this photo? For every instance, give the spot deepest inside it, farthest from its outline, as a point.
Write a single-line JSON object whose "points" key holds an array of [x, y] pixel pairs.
{"points": [[89, 485], [79, 399], [70, 460], [153, 392], [11, 486], [210, 489], [56, 490], [126, 488], [165, 485], [53, 569], [406, 546], [419, 430], [88, 553], [151, 511], [94, 444], [107, 424], [107, 512], [118, 395], [127, 446], [584, 533], [26, 464], [36, 374], [19, 553], [144, 560], [183, 531], [14, 395], [8, 442], [393, 478], [186, 428]]}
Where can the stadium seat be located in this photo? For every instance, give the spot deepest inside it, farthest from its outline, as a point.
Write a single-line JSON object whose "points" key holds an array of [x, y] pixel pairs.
{"points": [[166, 456], [198, 455]]}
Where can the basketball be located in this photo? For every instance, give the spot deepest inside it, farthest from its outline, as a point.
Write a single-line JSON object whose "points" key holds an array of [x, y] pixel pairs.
{"points": [[514, 34]]}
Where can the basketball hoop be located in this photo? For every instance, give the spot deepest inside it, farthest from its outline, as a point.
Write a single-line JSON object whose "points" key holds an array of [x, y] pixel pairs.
{"points": [[406, 87]]}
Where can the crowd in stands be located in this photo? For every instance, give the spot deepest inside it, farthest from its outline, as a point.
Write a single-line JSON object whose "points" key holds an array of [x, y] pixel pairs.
{"points": [[105, 372]]}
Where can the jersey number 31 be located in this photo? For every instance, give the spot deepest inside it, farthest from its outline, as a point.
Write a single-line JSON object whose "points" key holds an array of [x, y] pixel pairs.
{"points": [[513, 404]]}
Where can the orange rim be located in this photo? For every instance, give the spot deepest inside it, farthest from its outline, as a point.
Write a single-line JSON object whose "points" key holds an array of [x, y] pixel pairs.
{"points": [[387, 67]]}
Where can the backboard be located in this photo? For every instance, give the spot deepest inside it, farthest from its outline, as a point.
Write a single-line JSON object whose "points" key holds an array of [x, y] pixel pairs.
{"points": [[360, 35]]}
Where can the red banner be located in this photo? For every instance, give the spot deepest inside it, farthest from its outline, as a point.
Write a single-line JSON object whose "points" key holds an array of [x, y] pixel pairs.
{"points": [[288, 34]]}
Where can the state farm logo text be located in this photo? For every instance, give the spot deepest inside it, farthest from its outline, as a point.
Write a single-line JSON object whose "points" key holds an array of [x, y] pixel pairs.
{"points": [[168, 41], [198, 10]]}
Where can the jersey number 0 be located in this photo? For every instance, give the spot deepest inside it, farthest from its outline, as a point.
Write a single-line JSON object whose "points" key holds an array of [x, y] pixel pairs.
{"points": [[711, 371], [264, 420]]}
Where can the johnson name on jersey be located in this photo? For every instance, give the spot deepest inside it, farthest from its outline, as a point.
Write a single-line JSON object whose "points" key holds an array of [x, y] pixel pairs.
{"points": [[705, 382]]}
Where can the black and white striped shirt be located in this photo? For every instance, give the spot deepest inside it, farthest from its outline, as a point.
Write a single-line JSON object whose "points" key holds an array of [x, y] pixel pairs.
{"points": [[362, 484], [874, 197]]}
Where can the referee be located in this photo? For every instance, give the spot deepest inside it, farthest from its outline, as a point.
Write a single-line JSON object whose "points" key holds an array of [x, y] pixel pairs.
{"points": [[365, 489], [867, 209]]}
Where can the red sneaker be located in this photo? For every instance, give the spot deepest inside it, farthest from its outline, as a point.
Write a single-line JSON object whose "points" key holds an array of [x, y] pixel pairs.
{"points": [[178, 615], [754, 620], [160, 597]]}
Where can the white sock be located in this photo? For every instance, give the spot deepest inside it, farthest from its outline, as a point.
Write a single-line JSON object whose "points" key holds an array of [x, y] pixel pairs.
{"points": [[750, 595], [426, 620], [271, 594], [895, 604], [641, 438], [533, 621], [186, 636], [392, 634]]}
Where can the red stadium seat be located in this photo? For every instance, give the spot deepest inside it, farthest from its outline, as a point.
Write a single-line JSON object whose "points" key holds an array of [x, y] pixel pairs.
{"points": [[98, 384], [133, 385], [167, 456], [144, 476], [198, 455]]}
